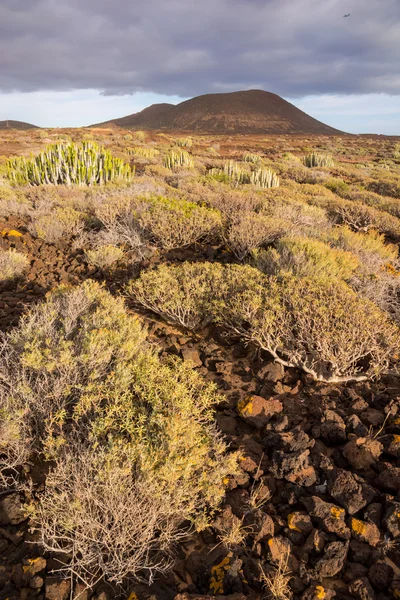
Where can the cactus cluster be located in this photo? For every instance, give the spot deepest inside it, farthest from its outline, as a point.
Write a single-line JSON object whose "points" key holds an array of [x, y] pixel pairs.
{"points": [[184, 142], [264, 178], [232, 172], [68, 164], [316, 159], [251, 158], [176, 160], [396, 152]]}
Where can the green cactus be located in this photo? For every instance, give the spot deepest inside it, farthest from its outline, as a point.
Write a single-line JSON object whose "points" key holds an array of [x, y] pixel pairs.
{"points": [[251, 158], [143, 152], [316, 159], [184, 142], [176, 160], [68, 164], [264, 178]]}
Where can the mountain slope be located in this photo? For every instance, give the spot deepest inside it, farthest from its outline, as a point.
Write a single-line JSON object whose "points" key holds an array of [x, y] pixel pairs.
{"points": [[9, 124], [252, 112]]}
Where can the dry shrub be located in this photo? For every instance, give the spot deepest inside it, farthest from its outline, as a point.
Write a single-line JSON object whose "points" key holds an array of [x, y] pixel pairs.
{"points": [[120, 526], [305, 257], [277, 580], [60, 223], [133, 447], [246, 231], [181, 295], [320, 326], [12, 264], [105, 257], [173, 223]]}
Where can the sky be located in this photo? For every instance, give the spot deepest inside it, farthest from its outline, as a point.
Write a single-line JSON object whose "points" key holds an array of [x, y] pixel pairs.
{"points": [[66, 63]]}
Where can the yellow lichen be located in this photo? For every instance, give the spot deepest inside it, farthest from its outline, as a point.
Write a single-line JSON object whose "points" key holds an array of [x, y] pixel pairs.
{"points": [[320, 592], [337, 512], [291, 524], [218, 574], [358, 526], [11, 232], [245, 406], [133, 596], [396, 439]]}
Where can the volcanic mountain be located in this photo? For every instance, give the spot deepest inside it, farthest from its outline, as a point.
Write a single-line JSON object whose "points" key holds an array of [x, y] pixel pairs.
{"points": [[16, 125], [252, 112]]}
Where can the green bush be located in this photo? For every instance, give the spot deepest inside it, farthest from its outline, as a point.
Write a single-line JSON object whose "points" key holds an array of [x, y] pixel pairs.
{"points": [[246, 231], [318, 325], [307, 257], [181, 295], [90, 396], [84, 164], [171, 223]]}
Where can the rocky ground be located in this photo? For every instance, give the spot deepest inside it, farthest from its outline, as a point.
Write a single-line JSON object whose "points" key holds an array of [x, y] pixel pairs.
{"points": [[319, 476]]}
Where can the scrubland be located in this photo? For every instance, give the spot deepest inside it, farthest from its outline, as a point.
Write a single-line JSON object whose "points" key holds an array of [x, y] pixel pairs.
{"points": [[132, 447]]}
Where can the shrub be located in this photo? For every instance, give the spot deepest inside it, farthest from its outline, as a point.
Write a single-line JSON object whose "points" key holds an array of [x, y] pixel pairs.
{"points": [[305, 257], [105, 257], [184, 142], [178, 160], [320, 326], [118, 426], [84, 164], [181, 295], [251, 158], [60, 223], [247, 230], [171, 223], [316, 159], [12, 264], [144, 152]]}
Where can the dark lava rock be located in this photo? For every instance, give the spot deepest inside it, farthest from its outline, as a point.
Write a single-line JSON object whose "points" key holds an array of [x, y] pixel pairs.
{"points": [[257, 411], [345, 489], [392, 518], [380, 575], [294, 467], [362, 589], [333, 559], [329, 516], [11, 511]]}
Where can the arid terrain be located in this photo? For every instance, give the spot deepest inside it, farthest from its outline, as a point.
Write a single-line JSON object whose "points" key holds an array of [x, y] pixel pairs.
{"points": [[199, 378]]}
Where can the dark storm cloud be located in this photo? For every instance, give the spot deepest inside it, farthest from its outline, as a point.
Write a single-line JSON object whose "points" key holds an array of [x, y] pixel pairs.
{"points": [[189, 47]]}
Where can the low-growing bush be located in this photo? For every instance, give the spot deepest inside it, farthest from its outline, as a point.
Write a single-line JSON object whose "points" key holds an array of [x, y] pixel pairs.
{"points": [[133, 450], [319, 325], [144, 152], [184, 142], [105, 257], [305, 257], [246, 231], [171, 223], [181, 295], [12, 264], [60, 223]]}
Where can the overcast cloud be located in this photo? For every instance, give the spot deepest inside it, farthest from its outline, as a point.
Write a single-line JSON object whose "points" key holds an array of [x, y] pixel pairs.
{"points": [[190, 47], [295, 48]]}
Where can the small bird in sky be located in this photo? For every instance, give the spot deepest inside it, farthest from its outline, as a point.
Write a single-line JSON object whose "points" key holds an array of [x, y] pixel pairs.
{"points": [[344, 16]]}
